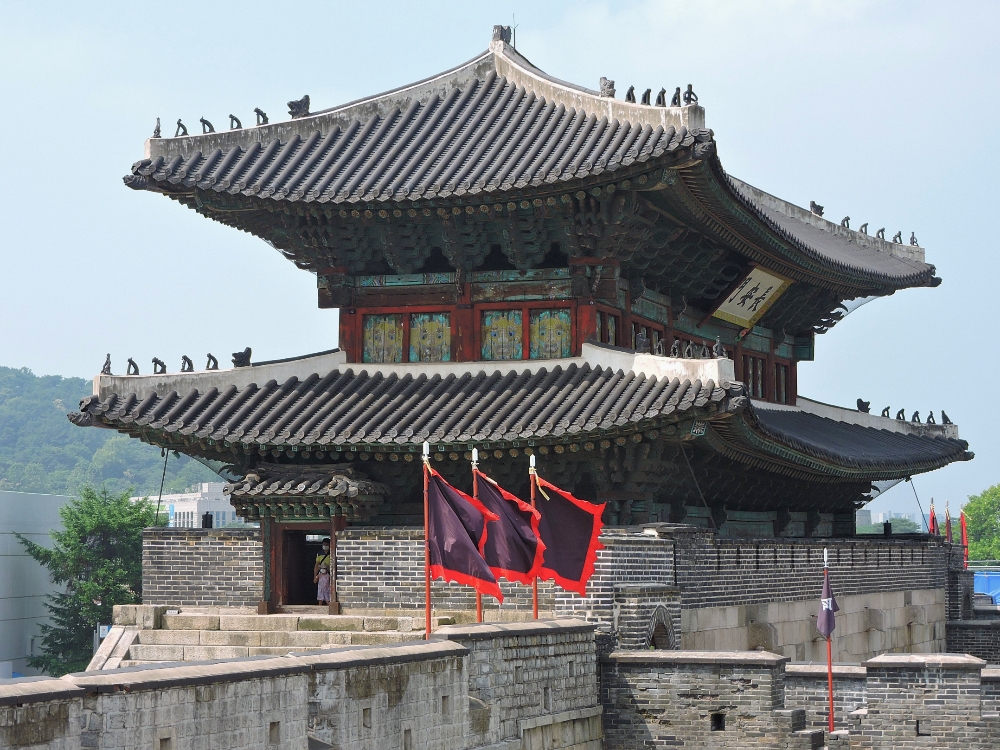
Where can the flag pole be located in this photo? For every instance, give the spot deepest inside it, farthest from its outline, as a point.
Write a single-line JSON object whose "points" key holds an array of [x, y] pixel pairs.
{"points": [[427, 545], [475, 495], [532, 480], [829, 646]]}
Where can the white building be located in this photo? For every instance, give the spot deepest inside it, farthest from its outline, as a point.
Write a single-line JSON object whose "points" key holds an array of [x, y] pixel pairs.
{"points": [[185, 509], [24, 583]]}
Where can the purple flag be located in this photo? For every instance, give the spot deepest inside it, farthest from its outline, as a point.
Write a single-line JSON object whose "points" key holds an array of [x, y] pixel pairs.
{"points": [[826, 622], [457, 532]]}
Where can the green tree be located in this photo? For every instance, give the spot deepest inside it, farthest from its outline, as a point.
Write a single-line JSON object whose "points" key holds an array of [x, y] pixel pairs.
{"points": [[97, 556], [982, 517], [41, 451]]}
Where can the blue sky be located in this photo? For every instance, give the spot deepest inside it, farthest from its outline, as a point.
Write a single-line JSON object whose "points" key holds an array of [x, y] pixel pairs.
{"points": [[886, 111]]}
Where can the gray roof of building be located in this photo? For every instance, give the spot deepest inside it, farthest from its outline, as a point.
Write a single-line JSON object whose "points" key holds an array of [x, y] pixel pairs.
{"points": [[486, 134], [371, 411]]}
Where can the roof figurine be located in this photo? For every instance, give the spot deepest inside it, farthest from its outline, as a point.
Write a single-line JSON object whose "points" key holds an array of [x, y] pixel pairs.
{"points": [[913, 239], [898, 238], [299, 107], [675, 100], [159, 366], [133, 368], [690, 97], [261, 116], [846, 222], [186, 364], [206, 126], [863, 229], [864, 406], [181, 129], [661, 98], [106, 370], [242, 359], [212, 363], [630, 94], [607, 87], [156, 130], [815, 208], [234, 123], [646, 97]]}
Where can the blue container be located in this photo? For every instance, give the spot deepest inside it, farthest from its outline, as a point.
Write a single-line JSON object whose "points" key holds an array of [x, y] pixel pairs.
{"points": [[988, 582]]}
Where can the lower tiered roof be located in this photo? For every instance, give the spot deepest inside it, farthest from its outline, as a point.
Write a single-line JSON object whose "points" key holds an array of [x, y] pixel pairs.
{"points": [[320, 410]]}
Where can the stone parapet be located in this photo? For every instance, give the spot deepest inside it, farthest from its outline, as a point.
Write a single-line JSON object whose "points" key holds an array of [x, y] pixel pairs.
{"points": [[540, 693]]}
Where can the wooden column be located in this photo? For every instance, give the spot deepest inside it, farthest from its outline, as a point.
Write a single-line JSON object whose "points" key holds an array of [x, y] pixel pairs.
{"points": [[338, 524]]}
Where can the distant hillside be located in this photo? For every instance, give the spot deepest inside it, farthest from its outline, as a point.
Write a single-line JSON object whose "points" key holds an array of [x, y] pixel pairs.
{"points": [[41, 451]]}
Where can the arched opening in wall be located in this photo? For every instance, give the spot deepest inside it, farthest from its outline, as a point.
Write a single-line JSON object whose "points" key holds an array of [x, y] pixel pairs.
{"points": [[663, 639], [661, 631]]}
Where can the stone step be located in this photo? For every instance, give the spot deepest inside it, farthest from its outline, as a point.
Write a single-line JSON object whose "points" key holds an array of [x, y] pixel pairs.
{"points": [[157, 646], [246, 623]]}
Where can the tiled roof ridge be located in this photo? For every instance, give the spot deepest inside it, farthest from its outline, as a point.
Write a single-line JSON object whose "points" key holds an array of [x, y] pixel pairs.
{"points": [[924, 276]]}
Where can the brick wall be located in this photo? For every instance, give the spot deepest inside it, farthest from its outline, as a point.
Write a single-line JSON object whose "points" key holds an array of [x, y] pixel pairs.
{"points": [[522, 673], [981, 638], [806, 687], [925, 701], [667, 699], [202, 567], [531, 685], [660, 699], [383, 568]]}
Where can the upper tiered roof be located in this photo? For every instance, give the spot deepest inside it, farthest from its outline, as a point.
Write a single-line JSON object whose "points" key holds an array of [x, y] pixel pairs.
{"points": [[497, 152]]}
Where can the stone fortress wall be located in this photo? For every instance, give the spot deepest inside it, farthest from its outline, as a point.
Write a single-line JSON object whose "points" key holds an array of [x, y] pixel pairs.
{"points": [[522, 686], [697, 590]]}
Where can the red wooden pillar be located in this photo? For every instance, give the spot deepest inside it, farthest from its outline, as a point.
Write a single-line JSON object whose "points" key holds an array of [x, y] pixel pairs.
{"points": [[338, 524], [586, 323], [350, 333]]}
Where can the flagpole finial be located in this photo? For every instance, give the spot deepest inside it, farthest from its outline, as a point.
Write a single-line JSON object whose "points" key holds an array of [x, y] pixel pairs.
{"points": [[826, 558], [531, 461], [427, 452], [475, 457]]}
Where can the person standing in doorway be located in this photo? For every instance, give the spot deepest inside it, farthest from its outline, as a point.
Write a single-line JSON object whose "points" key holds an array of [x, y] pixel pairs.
{"points": [[321, 574]]}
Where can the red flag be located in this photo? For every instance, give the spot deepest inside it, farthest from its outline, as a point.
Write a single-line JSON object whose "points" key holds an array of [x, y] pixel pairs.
{"points": [[965, 539], [513, 549], [947, 523], [456, 535], [569, 529], [933, 524]]}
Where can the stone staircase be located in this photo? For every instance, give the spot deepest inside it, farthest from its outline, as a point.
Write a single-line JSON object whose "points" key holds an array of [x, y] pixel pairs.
{"points": [[158, 637]]}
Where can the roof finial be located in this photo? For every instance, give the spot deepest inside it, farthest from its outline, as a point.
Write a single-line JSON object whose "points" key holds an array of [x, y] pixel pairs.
{"points": [[234, 123], [181, 129], [242, 359], [502, 34], [689, 96], [261, 116], [206, 126], [156, 130], [607, 87], [299, 107]]}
